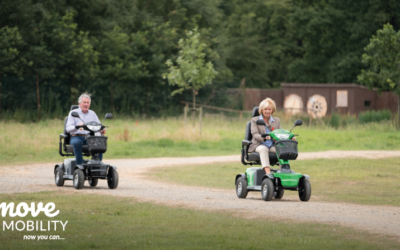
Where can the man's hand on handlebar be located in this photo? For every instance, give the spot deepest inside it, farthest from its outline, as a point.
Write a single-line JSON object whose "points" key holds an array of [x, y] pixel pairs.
{"points": [[102, 132]]}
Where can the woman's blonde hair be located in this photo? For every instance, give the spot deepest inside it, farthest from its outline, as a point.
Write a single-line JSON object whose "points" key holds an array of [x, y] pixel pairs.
{"points": [[268, 102]]}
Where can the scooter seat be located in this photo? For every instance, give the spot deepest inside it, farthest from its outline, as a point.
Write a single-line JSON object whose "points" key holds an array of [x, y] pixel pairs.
{"points": [[256, 157], [70, 149]]}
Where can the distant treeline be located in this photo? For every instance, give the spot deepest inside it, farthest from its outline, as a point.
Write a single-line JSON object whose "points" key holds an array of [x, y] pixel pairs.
{"points": [[53, 50]]}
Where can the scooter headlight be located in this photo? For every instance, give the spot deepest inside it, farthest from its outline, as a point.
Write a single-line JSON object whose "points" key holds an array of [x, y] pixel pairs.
{"points": [[283, 136], [94, 128]]}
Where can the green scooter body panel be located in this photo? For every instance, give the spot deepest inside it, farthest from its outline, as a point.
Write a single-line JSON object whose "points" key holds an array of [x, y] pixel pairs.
{"points": [[250, 176], [288, 179], [276, 134]]}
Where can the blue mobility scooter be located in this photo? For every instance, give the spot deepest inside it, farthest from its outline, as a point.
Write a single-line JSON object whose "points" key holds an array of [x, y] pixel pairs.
{"points": [[91, 170], [272, 185]]}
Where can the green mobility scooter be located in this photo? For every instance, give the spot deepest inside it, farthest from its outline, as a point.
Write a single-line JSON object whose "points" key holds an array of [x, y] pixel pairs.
{"points": [[91, 170], [272, 185]]}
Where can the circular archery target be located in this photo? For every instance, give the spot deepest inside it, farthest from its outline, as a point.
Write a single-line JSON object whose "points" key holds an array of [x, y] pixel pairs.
{"points": [[317, 106], [293, 104]]}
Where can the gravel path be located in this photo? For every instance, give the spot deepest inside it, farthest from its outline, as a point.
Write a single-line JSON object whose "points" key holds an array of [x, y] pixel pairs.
{"points": [[375, 219]]}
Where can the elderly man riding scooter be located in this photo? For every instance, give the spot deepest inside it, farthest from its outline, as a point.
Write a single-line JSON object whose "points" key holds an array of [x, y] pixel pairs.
{"points": [[78, 137]]}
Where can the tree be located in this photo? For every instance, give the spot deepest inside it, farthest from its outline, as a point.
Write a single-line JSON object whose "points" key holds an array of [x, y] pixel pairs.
{"points": [[383, 59], [192, 72], [11, 61], [76, 55], [118, 61], [332, 35]]}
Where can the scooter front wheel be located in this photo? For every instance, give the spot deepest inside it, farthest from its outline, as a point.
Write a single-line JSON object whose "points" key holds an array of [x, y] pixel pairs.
{"points": [[279, 194], [267, 190], [93, 182], [112, 178], [304, 190]]}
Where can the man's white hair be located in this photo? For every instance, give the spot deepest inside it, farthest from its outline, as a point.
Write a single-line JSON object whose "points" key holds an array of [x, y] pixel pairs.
{"points": [[85, 95]]}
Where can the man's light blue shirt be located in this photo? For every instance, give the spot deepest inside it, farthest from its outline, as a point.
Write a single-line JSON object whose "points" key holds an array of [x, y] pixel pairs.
{"points": [[90, 116], [269, 143]]}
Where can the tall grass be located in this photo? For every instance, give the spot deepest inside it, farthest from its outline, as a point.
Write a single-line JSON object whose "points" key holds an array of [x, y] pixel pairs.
{"points": [[168, 137], [374, 116]]}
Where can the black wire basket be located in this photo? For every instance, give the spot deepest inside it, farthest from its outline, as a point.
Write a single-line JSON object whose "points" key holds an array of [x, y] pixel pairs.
{"points": [[97, 144], [286, 149]]}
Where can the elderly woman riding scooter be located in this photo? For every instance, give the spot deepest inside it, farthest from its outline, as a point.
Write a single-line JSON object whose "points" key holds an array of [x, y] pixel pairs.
{"points": [[263, 146]]}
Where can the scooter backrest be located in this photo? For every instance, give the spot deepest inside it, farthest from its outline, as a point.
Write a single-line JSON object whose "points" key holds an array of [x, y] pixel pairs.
{"points": [[255, 112], [248, 136], [66, 140], [74, 107]]}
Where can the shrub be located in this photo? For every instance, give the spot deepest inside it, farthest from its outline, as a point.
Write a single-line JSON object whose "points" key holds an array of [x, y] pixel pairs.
{"points": [[335, 120], [374, 116], [348, 120]]}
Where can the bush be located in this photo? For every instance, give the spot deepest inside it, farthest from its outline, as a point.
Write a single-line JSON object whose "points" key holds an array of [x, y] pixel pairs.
{"points": [[374, 116], [348, 120], [335, 120]]}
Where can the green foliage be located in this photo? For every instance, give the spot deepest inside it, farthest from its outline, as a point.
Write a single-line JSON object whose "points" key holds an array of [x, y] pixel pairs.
{"points": [[374, 116], [192, 71], [117, 49], [383, 59], [335, 120], [332, 35], [11, 43], [77, 57]]}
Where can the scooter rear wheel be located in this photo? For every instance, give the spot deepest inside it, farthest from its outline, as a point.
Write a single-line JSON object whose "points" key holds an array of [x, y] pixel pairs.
{"points": [[241, 188], [78, 179], [58, 177]]}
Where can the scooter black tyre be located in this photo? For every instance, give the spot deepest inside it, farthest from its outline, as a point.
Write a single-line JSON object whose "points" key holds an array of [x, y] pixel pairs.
{"points": [[112, 178], [267, 190], [78, 179], [279, 194], [93, 182], [241, 188], [58, 177], [304, 190]]}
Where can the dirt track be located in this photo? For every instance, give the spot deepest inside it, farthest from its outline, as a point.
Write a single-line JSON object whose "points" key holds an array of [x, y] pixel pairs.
{"points": [[375, 219]]}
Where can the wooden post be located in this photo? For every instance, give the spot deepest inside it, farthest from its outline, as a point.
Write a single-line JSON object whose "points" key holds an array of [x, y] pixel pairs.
{"points": [[240, 116], [194, 110], [243, 85], [0, 98], [200, 117], [319, 119], [398, 112], [38, 96], [185, 109]]}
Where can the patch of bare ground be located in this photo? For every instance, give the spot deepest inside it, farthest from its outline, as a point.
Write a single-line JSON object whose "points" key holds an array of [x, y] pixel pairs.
{"points": [[375, 219]]}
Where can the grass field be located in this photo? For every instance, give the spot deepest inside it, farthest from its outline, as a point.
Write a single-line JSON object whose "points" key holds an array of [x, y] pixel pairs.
{"points": [[361, 181], [98, 222], [38, 142]]}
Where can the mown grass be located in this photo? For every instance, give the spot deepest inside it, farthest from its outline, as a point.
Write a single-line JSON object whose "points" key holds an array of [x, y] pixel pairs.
{"points": [[38, 142], [360, 181], [98, 222]]}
